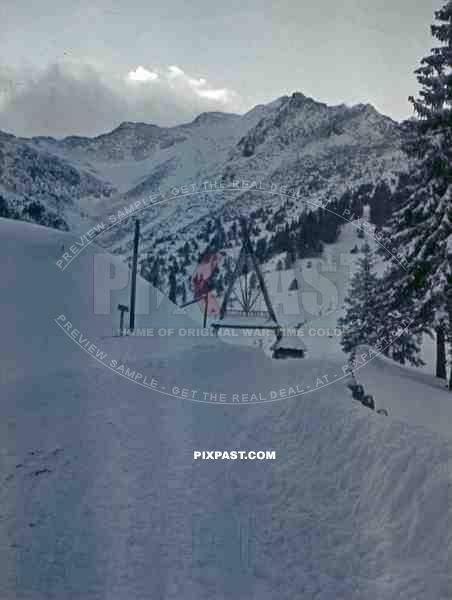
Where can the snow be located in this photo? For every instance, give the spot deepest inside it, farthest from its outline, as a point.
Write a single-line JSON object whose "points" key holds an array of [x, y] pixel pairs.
{"points": [[101, 497], [410, 394]]}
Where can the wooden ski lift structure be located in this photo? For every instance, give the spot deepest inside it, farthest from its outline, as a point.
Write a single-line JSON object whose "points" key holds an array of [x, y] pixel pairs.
{"points": [[247, 312], [240, 302]]}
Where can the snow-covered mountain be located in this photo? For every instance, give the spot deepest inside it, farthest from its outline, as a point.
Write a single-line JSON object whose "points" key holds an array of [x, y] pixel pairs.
{"points": [[334, 154], [39, 185]]}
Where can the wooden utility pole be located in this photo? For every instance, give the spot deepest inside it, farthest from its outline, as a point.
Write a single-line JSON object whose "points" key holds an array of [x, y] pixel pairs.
{"points": [[134, 275], [206, 308]]}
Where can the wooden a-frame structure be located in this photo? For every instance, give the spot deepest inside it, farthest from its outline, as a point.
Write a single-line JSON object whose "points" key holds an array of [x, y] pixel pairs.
{"points": [[247, 262]]}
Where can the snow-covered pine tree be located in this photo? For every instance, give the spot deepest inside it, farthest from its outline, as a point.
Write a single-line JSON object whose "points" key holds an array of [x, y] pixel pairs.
{"points": [[154, 276], [397, 307], [172, 284], [360, 322], [422, 228]]}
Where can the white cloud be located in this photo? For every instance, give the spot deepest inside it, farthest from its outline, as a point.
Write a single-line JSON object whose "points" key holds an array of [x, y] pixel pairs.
{"points": [[176, 71], [74, 98], [220, 95], [142, 74], [200, 87], [197, 82]]}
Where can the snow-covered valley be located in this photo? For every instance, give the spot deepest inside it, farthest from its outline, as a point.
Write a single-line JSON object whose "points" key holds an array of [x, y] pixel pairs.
{"points": [[101, 497]]}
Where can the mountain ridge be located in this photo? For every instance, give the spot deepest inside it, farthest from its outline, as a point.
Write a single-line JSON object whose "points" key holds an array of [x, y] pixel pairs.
{"points": [[324, 151]]}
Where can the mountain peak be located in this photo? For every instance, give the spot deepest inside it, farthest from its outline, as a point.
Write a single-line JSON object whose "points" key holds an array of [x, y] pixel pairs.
{"points": [[299, 100], [367, 108], [299, 97], [213, 117], [134, 125]]}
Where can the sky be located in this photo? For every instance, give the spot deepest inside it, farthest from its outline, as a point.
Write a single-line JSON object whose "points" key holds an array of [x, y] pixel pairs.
{"points": [[82, 67]]}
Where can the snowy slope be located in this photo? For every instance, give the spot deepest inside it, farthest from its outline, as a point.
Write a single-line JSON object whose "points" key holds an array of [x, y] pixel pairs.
{"points": [[409, 394], [101, 497]]}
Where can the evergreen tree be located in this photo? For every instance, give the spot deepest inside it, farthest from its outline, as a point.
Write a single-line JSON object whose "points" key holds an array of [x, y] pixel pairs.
{"points": [[381, 204], [183, 293], [185, 252], [397, 306], [234, 230], [34, 211], [172, 284], [261, 249], [422, 228], [360, 322], [289, 261], [4, 209], [154, 276]]}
